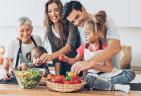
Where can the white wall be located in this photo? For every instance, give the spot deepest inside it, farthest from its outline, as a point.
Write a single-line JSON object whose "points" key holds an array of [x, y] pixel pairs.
{"points": [[11, 10], [132, 37]]}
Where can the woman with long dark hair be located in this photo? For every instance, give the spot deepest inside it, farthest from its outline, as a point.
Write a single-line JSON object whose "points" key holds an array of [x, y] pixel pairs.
{"points": [[62, 35]]}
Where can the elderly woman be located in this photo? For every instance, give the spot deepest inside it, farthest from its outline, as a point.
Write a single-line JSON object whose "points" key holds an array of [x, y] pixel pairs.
{"points": [[17, 49]]}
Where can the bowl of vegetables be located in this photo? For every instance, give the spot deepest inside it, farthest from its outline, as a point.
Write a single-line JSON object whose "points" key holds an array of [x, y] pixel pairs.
{"points": [[28, 79], [68, 83]]}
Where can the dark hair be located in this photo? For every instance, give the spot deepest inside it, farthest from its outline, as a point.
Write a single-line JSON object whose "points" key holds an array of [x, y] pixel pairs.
{"points": [[69, 6], [47, 22], [40, 49], [98, 22]]}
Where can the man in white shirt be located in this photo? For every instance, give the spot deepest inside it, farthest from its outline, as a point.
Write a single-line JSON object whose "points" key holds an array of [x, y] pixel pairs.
{"points": [[75, 13]]}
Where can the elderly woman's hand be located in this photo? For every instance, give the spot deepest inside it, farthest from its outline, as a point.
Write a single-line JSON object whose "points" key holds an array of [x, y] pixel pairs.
{"points": [[6, 75], [80, 66]]}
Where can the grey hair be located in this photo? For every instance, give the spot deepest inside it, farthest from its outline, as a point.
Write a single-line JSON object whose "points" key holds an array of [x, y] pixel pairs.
{"points": [[24, 21]]}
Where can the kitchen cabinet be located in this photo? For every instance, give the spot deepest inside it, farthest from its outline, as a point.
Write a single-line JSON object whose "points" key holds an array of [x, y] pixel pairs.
{"points": [[134, 13], [11, 10]]}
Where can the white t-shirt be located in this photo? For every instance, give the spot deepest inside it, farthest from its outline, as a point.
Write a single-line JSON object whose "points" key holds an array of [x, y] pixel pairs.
{"points": [[13, 47], [112, 32]]}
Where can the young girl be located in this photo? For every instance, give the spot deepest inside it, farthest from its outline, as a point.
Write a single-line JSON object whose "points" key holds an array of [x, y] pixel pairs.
{"points": [[106, 77], [35, 54]]}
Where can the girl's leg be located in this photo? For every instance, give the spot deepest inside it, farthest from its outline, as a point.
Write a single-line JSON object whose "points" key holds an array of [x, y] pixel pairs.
{"points": [[95, 83], [125, 77]]}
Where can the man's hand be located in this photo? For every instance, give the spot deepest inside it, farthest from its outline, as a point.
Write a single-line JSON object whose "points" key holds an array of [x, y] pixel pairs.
{"points": [[80, 66]]}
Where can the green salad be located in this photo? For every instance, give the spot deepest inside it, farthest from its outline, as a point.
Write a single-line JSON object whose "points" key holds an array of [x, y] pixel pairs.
{"points": [[28, 78]]}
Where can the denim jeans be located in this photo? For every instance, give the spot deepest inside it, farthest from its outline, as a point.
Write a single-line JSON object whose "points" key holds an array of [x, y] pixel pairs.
{"points": [[123, 78]]}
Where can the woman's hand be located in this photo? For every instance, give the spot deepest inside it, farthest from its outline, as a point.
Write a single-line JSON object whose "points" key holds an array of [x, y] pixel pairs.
{"points": [[80, 66], [45, 58]]}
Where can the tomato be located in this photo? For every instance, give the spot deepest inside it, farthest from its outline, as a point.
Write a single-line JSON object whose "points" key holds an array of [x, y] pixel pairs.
{"points": [[62, 76], [75, 77], [50, 76], [66, 82], [58, 79], [61, 57], [76, 81]]}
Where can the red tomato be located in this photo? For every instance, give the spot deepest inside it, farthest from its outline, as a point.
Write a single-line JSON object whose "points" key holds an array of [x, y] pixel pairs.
{"points": [[50, 76], [61, 57], [75, 77], [54, 80], [66, 82], [58, 79], [76, 81], [62, 76]]}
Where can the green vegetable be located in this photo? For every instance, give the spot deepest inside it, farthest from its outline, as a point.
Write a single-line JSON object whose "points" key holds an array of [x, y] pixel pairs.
{"points": [[68, 78], [67, 73], [28, 78]]}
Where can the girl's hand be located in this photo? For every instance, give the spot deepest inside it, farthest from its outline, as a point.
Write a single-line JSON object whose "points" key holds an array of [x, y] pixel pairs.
{"points": [[24, 66], [80, 66]]}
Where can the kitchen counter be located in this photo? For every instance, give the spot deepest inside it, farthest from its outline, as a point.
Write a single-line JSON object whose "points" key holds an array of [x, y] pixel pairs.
{"points": [[15, 90]]}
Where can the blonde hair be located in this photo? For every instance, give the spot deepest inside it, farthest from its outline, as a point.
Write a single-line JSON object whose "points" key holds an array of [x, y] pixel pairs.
{"points": [[98, 22], [24, 21]]}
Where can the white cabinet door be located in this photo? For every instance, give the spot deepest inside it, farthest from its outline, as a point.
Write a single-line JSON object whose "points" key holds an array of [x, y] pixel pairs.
{"points": [[117, 9], [134, 13], [11, 10]]}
